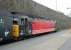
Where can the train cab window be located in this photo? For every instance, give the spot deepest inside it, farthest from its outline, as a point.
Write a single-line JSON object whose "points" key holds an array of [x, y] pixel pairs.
{"points": [[15, 22]]}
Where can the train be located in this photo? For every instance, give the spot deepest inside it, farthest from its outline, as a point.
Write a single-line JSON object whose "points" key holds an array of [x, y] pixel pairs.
{"points": [[19, 27]]}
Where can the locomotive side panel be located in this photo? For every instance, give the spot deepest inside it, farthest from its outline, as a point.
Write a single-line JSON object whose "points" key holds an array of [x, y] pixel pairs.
{"points": [[41, 26]]}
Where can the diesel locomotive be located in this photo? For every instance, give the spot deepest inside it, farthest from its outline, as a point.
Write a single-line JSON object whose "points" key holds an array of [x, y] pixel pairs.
{"points": [[19, 27]]}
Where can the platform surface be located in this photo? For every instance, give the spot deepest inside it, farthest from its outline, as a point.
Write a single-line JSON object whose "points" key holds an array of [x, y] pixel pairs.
{"points": [[53, 41]]}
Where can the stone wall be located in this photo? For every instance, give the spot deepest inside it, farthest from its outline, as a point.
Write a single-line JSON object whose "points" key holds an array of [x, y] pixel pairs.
{"points": [[63, 22], [33, 8], [16, 5]]}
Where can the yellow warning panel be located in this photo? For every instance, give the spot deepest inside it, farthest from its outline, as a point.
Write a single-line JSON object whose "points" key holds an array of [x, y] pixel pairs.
{"points": [[15, 30]]}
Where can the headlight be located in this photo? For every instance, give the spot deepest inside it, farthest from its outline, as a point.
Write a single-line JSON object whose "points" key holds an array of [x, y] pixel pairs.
{"points": [[1, 39]]}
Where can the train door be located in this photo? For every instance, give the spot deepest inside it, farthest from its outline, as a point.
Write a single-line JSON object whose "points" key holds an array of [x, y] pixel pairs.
{"points": [[30, 26], [24, 27]]}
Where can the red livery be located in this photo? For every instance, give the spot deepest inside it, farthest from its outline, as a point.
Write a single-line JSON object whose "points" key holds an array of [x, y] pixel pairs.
{"points": [[42, 26]]}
